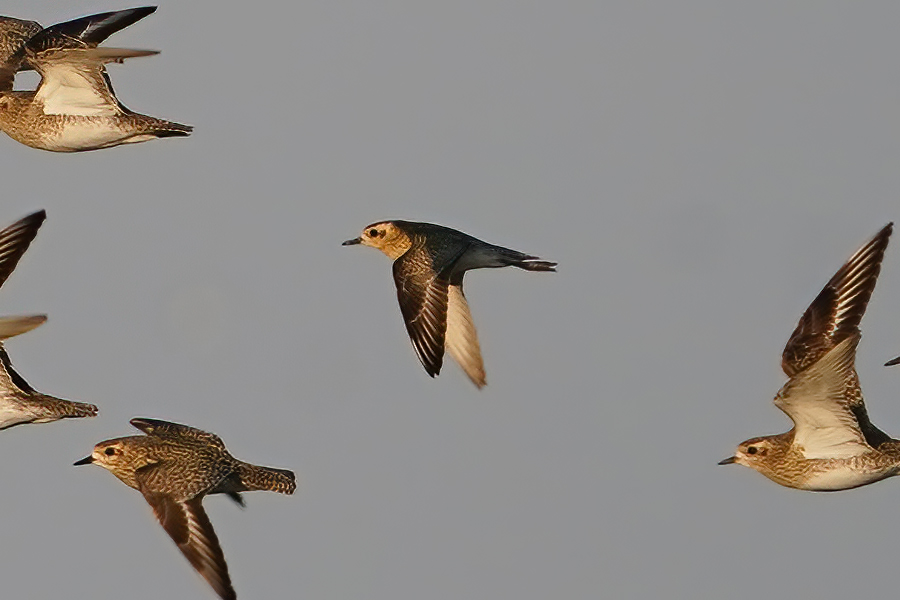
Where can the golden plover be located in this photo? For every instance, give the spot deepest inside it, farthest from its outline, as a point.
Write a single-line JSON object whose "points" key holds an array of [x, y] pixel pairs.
{"points": [[429, 264], [174, 466], [833, 445], [74, 108], [19, 402]]}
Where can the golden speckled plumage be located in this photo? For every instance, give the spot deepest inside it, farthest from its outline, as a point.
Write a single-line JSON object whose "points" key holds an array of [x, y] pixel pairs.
{"points": [[174, 466], [833, 445]]}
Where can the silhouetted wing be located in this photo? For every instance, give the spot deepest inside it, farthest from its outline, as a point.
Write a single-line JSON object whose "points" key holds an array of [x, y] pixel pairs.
{"points": [[815, 400], [168, 429], [88, 31], [836, 312], [462, 339], [193, 533], [15, 239]]}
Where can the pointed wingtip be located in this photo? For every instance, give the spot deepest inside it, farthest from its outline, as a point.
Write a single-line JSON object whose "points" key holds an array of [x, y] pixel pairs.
{"points": [[13, 326], [892, 362]]}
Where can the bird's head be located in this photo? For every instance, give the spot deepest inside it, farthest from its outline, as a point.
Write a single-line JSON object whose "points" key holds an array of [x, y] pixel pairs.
{"points": [[752, 453], [385, 236]]}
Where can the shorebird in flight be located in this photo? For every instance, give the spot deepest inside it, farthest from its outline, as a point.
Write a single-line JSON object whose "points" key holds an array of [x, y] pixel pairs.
{"points": [[74, 108], [19, 402], [429, 264], [175, 466], [833, 444]]}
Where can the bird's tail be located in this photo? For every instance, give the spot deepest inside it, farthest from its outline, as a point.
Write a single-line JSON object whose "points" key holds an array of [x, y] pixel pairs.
{"points": [[255, 477], [171, 129], [161, 128], [489, 255], [53, 409], [526, 261], [533, 263]]}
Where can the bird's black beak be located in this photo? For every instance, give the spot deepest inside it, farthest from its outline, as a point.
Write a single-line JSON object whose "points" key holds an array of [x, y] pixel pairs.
{"points": [[352, 242], [84, 461], [728, 461], [893, 362]]}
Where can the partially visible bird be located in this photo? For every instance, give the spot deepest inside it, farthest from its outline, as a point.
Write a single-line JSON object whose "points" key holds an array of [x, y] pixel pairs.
{"points": [[429, 264], [74, 108], [833, 444], [19, 402], [174, 466], [14, 241]]}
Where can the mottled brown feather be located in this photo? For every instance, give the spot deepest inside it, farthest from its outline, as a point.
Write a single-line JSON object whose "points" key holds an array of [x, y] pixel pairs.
{"points": [[422, 294], [191, 530], [836, 312]]}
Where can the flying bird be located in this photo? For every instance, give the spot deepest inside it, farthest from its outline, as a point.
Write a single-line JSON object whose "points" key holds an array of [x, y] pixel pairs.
{"points": [[429, 264], [175, 466], [833, 444], [74, 108], [19, 402]]}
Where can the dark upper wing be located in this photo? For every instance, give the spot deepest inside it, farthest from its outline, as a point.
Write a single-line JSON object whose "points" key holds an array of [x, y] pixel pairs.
{"points": [[422, 293], [170, 430], [193, 533], [86, 31], [836, 312], [15, 239]]}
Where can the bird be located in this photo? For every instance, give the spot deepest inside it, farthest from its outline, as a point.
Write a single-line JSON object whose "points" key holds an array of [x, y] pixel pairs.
{"points": [[14, 241], [429, 264], [19, 402], [833, 445], [175, 466], [74, 108]]}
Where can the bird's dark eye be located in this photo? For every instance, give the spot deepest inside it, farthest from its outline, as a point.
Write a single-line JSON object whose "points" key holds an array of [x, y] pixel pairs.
{"points": [[751, 450], [109, 451], [373, 232]]}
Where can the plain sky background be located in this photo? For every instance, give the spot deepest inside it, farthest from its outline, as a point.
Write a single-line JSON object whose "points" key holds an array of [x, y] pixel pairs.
{"points": [[698, 169]]}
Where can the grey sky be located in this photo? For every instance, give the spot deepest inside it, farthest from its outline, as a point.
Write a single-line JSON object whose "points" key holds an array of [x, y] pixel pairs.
{"points": [[698, 169]]}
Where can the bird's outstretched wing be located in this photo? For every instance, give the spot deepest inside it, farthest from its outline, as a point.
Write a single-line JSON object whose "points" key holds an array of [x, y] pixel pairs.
{"points": [[167, 429], [191, 530], [15, 239], [825, 425], [836, 312], [462, 338]]}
